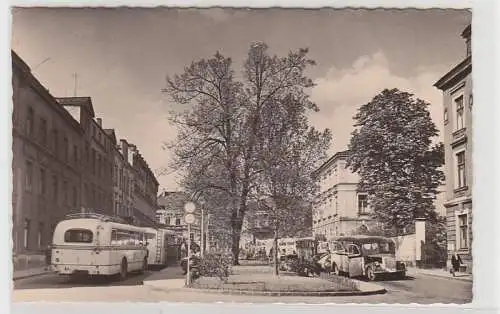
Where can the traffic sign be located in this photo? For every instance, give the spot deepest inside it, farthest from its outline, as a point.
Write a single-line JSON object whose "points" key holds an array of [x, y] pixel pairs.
{"points": [[190, 207], [189, 219]]}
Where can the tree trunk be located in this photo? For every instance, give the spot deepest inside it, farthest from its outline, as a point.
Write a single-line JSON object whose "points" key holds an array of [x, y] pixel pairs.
{"points": [[235, 247]]}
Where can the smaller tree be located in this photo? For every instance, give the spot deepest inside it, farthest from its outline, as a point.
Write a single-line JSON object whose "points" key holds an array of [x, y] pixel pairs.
{"points": [[391, 149], [289, 151]]}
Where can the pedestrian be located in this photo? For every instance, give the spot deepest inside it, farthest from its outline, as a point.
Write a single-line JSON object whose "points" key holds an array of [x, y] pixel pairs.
{"points": [[183, 250], [48, 256], [456, 261]]}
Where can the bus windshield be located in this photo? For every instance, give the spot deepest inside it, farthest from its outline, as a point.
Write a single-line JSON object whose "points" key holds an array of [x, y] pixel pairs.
{"points": [[379, 247]]}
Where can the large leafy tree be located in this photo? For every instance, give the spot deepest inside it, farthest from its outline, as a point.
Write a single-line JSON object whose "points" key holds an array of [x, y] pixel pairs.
{"points": [[391, 149], [208, 143], [217, 147]]}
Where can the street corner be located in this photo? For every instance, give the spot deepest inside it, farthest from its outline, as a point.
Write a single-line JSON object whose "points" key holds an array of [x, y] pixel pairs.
{"points": [[165, 284], [369, 288]]}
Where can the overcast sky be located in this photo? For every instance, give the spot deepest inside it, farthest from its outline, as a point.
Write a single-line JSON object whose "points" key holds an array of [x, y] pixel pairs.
{"points": [[122, 57]]}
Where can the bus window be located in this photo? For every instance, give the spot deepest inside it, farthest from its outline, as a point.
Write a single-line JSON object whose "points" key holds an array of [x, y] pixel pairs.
{"points": [[114, 237], [78, 236]]}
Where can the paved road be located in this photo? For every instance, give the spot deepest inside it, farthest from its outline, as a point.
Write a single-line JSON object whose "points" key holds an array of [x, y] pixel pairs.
{"points": [[428, 289], [54, 281], [421, 289]]}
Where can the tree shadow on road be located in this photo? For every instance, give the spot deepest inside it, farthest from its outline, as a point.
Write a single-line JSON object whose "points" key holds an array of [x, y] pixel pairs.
{"points": [[63, 282]]}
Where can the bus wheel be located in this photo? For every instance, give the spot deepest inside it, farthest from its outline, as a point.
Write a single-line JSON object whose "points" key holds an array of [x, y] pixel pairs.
{"points": [[123, 269], [370, 275]]}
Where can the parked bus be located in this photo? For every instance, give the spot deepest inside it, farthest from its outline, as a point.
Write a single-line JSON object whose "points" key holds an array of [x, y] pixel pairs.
{"points": [[290, 246], [94, 244], [158, 241]]}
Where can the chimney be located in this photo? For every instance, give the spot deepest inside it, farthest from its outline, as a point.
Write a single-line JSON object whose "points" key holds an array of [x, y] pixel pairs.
{"points": [[466, 34], [99, 121], [124, 146]]}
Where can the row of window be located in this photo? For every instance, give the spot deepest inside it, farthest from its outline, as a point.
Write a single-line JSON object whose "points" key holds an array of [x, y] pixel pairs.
{"points": [[42, 135], [55, 185], [362, 200], [121, 209], [99, 165], [96, 197], [58, 188], [126, 237], [122, 180], [101, 138]]}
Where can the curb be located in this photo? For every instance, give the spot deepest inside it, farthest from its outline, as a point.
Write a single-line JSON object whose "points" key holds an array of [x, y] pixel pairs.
{"points": [[375, 290], [291, 293], [32, 275]]}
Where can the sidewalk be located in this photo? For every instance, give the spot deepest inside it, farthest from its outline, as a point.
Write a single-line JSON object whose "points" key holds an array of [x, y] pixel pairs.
{"points": [[439, 273], [30, 272], [169, 278]]}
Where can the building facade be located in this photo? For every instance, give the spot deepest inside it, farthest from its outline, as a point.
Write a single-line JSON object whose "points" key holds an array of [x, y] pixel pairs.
{"points": [[63, 160], [97, 147], [123, 179], [145, 189], [456, 86], [46, 162], [340, 207]]}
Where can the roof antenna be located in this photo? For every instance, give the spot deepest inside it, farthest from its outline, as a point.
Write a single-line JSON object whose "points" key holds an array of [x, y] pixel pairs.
{"points": [[75, 76]]}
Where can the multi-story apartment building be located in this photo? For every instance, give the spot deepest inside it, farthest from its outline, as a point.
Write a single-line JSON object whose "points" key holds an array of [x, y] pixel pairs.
{"points": [[457, 115], [123, 179], [145, 189], [97, 146], [64, 160], [46, 161], [340, 208]]}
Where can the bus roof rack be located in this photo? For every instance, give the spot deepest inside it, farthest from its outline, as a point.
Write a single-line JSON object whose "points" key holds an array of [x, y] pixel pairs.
{"points": [[91, 215]]}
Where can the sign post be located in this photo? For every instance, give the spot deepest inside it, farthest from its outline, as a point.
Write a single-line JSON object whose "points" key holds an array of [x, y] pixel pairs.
{"points": [[189, 208]]}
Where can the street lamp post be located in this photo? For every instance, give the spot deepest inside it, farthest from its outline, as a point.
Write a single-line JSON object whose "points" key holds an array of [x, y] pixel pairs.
{"points": [[203, 230], [189, 208]]}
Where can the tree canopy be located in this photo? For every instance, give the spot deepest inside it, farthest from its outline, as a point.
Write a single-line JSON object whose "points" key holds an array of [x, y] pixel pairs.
{"points": [[391, 149], [239, 137]]}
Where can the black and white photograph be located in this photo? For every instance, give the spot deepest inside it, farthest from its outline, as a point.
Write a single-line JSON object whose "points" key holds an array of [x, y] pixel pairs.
{"points": [[277, 155]]}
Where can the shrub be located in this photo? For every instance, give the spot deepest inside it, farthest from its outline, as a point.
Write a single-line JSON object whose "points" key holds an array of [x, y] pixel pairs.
{"points": [[215, 265]]}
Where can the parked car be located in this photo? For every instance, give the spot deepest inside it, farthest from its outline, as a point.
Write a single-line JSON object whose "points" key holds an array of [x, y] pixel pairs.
{"points": [[366, 256]]}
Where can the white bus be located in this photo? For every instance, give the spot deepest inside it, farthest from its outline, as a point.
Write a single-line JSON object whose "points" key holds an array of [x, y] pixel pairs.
{"points": [[158, 241], [93, 244]]}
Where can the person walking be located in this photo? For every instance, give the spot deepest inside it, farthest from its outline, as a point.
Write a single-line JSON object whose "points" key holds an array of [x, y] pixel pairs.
{"points": [[456, 262]]}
